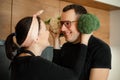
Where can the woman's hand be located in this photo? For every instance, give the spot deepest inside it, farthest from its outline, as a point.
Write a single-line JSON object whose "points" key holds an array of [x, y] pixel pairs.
{"points": [[85, 38], [56, 38]]}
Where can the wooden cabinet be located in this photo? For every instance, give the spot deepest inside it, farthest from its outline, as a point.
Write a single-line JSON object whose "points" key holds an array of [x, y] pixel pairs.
{"points": [[94, 4]]}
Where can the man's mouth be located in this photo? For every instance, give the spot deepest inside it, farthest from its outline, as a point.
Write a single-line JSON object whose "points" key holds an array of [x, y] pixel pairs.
{"points": [[67, 34]]}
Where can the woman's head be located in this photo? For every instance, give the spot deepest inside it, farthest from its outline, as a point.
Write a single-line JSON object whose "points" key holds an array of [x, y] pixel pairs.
{"points": [[22, 28], [28, 31]]}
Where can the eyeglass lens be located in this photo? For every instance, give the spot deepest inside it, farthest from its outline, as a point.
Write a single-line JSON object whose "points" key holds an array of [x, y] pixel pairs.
{"points": [[66, 23]]}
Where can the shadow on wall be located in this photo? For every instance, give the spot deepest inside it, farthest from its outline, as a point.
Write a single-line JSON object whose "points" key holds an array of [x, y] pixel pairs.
{"points": [[48, 53], [5, 62]]}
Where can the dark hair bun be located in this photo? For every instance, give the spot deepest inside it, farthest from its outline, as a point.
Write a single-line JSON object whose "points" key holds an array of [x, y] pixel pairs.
{"points": [[88, 23]]}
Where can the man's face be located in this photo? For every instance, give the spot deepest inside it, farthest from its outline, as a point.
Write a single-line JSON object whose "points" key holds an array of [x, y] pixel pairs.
{"points": [[69, 26]]}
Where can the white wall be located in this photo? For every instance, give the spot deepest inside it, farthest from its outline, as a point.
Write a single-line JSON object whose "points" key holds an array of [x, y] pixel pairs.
{"points": [[115, 28], [115, 71], [115, 44], [111, 2]]}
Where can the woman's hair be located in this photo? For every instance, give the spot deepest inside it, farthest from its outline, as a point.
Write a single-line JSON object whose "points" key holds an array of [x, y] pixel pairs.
{"points": [[78, 9], [21, 31]]}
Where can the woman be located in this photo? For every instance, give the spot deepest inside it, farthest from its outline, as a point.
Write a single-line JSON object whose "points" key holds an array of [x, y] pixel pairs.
{"points": [[31, 39]]}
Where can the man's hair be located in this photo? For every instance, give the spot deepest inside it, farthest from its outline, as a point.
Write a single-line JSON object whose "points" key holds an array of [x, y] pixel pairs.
{"points": [[77, 8]]}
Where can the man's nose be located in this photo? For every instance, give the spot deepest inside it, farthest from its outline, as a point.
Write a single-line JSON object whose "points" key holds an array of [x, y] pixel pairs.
{"points": [[63, 27]]}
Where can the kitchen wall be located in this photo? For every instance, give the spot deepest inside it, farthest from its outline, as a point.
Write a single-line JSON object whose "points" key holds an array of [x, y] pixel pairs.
{"points": [[5, 18], [21, 8], [115, 44]]}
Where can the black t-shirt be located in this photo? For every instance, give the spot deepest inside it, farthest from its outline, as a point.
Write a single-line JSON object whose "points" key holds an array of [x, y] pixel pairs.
{"points": [[37, 68], [98, 56], [72, 62]]}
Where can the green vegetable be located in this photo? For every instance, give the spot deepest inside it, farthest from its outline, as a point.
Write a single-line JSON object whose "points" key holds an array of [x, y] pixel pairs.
{"points": [[88, 23], [47, 21]]}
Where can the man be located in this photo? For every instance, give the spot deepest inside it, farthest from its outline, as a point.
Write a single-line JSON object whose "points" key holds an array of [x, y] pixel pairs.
{"points": [[98, 58]]}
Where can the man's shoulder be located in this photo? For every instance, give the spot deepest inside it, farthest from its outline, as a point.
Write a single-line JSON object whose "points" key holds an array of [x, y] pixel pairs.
{"points": [[98, 42]]}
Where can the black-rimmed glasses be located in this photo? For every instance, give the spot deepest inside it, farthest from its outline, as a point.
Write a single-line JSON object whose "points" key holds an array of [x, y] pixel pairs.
{"points": [[66, 23]]}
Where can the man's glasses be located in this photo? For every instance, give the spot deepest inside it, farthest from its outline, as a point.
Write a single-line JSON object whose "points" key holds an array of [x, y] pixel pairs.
{"points": [[66, 23]]}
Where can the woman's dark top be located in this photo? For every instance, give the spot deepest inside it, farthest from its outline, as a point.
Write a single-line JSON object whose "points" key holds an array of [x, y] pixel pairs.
{"points": [[37, 68]]}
